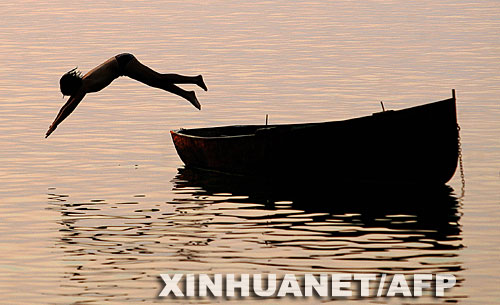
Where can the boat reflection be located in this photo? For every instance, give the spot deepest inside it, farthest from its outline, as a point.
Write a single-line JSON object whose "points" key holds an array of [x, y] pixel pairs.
{"points": [[384, 223], [217, 223]]}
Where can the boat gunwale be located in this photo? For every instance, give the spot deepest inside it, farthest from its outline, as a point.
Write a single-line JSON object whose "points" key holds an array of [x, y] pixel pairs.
{"points": [[179, 131]]}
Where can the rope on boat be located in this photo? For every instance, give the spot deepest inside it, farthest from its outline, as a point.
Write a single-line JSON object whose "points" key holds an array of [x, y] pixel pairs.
{"points": [[462, 175]]}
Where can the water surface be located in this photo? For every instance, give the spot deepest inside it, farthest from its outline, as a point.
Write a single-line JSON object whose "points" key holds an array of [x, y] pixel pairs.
{"points": [[97, 211]]}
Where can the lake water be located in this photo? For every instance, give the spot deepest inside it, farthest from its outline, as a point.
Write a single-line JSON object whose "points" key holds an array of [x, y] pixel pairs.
{"points": [[94, 213]]}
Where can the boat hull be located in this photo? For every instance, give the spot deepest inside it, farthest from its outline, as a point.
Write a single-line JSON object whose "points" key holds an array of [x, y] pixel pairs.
{"points": [[413, 145]]}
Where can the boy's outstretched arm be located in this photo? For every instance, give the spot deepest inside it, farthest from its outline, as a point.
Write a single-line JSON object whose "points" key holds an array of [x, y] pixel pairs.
{"points": [[70, 105]]}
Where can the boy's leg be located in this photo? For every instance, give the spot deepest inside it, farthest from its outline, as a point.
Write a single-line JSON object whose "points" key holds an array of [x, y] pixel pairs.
{"points": [[136, 70], [188, 95], [181, 79]]}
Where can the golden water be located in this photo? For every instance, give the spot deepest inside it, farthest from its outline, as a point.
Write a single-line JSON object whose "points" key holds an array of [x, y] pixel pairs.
{"points": [[97, 211]]}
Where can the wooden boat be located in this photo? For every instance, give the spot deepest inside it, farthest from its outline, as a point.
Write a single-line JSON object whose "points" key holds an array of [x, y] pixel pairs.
{"points": [[413, 145]]}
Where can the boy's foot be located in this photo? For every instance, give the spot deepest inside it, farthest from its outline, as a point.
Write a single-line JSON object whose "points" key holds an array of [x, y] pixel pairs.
{"points": [[193, 100], [201, 83]]}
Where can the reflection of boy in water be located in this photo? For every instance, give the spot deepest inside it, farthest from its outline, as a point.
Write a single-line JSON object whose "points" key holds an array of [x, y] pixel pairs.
{"points": [[76, 86]]}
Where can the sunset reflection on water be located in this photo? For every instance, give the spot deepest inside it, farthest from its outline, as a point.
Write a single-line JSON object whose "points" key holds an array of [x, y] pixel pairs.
{"points": [[96, 212]]}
